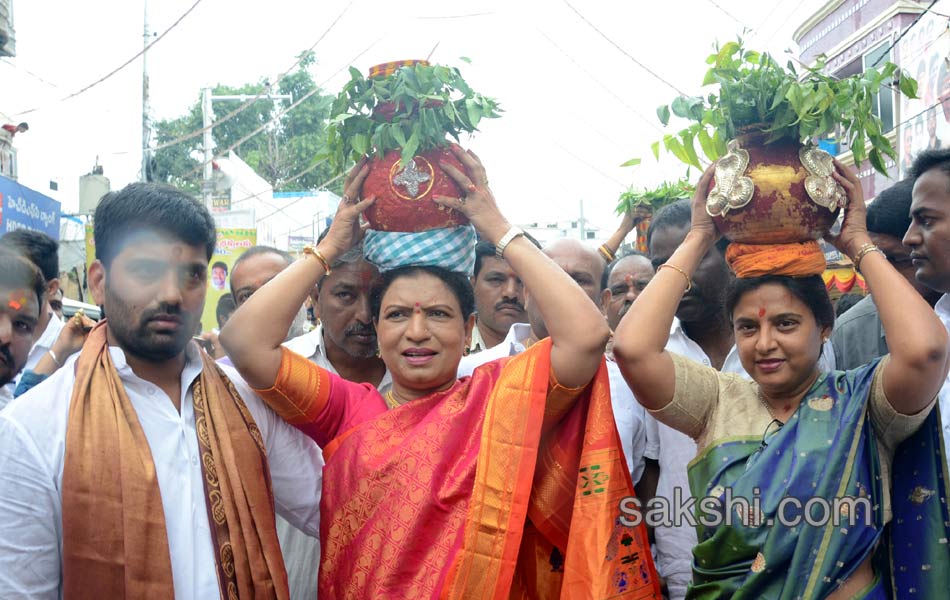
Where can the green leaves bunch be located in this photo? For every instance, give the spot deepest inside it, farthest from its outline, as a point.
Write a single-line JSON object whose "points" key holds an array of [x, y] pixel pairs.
{"points": [[757, 93], [411, 110], [655, 198]]}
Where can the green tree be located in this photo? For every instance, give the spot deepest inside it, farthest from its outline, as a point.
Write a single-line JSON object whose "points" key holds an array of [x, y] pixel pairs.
{"points": [[282, 153]]}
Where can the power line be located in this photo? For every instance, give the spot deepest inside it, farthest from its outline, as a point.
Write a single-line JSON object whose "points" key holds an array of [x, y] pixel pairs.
{"points": [[624, 52], [730, 15], [903, 33], [30, 73], [601, 84], [126, 63], [281, 113], [264, 91]]}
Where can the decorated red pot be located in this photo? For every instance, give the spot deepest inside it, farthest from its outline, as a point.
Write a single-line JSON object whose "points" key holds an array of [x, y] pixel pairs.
{"points": [[404, 193], [775, 193]]}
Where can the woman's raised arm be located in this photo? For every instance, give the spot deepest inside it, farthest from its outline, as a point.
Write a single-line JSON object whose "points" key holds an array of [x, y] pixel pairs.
{"points": [[578, 330], [641, 336], [253, 335], [916, 339]]}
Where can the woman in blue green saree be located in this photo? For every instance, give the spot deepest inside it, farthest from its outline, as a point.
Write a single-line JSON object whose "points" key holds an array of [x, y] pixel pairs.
{"points": [[842, 472]]}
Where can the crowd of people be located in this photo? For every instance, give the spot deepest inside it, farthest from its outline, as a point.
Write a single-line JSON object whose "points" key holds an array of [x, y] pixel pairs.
{"points": [[471, 435]]}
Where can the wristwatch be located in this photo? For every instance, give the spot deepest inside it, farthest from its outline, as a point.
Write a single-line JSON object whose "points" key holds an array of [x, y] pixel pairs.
{"points": [[506, 239]]}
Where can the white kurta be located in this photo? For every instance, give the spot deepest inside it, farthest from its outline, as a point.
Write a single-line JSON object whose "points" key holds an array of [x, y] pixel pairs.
{"points": [[32, 447], [942, 309]]}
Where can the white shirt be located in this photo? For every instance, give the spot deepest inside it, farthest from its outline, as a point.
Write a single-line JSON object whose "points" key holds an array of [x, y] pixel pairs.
{"points": [[674, 545], [313, 347], [942, 308], [32, 448], [629, 416], [302, 552], [40, 347]]}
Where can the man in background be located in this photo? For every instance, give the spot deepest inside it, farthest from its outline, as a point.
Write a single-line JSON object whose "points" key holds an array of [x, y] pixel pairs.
{"points": [[499, 298], [21, 298], [41, 250]]}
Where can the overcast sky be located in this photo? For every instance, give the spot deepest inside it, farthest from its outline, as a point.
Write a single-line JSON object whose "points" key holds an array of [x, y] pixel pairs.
{"points": [[576, 104]]}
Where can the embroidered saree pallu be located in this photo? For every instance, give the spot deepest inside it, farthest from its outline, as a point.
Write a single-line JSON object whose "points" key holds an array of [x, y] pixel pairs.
{"points": [[822, 465], [490, 489]]}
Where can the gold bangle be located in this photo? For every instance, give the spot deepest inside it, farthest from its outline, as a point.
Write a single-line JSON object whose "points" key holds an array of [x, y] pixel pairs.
{"points": [[862, 252], [308, 249], [606, 253], [689, 282]]}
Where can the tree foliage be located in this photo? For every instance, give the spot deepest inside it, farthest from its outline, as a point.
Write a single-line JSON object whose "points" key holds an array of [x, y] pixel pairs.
{"points": [[286, 147]]}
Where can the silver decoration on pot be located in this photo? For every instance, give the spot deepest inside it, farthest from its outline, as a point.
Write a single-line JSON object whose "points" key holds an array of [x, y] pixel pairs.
{"points": [[733, 189], [410, 177], [820, 185]]}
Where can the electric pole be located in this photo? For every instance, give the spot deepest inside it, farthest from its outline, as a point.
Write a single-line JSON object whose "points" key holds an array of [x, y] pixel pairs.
{"points": [[146, 133], [207, 121]]}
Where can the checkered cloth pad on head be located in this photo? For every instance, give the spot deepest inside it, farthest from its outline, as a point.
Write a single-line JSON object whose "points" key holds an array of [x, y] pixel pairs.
{"points": [[452, 248]]}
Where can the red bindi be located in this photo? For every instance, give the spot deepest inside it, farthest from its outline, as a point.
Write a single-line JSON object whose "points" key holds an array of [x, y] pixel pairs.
{"points": [[761, 312]]}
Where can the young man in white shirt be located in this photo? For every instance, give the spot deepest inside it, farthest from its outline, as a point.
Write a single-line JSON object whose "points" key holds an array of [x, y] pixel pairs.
{"points": [[41, 250], [140, 409]]}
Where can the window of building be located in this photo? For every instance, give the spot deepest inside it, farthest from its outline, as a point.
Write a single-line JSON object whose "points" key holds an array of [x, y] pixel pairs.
{"points": [[883, 103]]}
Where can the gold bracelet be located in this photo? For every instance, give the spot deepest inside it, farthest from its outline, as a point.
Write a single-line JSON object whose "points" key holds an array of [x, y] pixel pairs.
{"points": [[862, 252], [606, 253], [308, 249], [689, 282]]}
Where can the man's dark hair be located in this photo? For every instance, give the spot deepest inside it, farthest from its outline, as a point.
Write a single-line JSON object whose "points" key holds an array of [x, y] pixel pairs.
{"points": [[610, 266], [810, 290], [259, 250], [483, 250], [889, 214], [353, 255], [677, 214], [150, 206], [931, 159], [16, 271], [225, 307], [37, 247], [220, 265], [458, 283], [846, 302]]}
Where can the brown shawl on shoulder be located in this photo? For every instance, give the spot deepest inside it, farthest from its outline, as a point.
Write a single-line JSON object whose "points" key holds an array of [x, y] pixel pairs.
{"points": [[114, 539]]}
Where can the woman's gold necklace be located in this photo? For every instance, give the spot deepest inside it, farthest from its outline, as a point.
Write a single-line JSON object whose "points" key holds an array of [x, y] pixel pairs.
{"points": [[391, 400]]}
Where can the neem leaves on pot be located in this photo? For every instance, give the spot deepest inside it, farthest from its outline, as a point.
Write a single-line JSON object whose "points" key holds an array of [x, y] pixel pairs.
{"points": [[402, 116]]}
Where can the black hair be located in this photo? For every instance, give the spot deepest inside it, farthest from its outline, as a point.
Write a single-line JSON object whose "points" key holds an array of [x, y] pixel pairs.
{"points": [[37, 247], [225, 307], [931, 159], [220, 265], [889, 214], [146, 206], [16, 271], [677, 214], [810, 290], [458, 283], [610, 266], [845, 303], [483, 250]]}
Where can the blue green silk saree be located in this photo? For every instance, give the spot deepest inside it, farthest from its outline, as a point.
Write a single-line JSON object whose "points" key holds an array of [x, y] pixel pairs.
{"points": [[826, 450]]}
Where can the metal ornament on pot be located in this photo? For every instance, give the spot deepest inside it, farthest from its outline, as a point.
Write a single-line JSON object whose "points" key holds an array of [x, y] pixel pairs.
{"points": [[776, 193]]}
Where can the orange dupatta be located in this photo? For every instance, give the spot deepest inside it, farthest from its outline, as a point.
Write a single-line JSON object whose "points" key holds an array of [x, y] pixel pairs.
{"points": [[114, 539], [567, 473]]}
